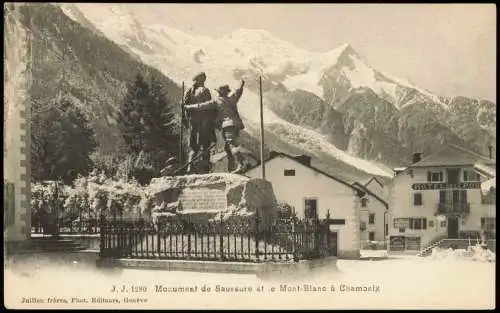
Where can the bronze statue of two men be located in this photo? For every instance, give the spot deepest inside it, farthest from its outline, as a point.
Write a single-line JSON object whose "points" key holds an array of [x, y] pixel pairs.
{"points": [[205, 115]]}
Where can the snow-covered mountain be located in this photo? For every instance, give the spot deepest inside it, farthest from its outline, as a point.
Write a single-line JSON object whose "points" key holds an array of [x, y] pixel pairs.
{"points": [[380, 115]]}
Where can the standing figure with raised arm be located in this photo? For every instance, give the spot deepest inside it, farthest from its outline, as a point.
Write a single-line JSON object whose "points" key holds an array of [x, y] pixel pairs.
{"points": [[229, 120]]}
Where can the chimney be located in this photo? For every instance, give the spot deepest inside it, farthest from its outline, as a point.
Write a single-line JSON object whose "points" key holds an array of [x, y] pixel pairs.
{"points": [[417, 157], [304, 159], [490, 149]]}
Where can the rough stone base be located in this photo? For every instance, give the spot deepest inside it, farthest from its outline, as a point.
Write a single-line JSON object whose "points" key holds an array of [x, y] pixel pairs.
{"points": [[212, 196]]}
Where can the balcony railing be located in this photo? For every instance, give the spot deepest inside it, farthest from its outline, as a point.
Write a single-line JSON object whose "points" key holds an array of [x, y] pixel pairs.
{"points": [[453, 208]]}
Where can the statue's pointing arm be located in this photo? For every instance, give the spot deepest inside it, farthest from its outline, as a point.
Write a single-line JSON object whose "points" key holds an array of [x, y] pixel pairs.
{"points": [[207, 105]]}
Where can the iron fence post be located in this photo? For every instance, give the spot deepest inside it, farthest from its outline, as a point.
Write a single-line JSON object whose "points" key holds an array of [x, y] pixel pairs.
{"points": [[156, 225], [257, 220], [188, 231], [327, 232], [221, 239], [102, 235], [294, 237]]}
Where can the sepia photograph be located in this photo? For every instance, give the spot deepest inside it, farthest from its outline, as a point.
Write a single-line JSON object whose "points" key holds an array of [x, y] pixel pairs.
{"points": [[249, 156]]}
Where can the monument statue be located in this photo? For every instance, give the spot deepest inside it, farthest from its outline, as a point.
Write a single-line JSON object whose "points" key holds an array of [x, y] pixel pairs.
{"points": [[228, 118], [201, 125]]}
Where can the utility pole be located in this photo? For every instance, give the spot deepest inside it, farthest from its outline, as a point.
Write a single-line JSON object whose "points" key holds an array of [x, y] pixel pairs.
{"points": [[262, 165], [181, 137]]}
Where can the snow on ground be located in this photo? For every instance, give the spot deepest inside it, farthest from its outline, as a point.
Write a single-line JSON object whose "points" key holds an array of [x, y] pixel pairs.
{"points": [[397, 282]]}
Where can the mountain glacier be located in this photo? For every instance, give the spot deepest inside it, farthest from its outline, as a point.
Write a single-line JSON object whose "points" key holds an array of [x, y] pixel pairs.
{"points": [[336, 77]]}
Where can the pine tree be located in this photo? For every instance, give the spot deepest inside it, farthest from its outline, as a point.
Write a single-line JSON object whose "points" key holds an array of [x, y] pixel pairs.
{"points": [[62, 141], [148, 127], [160, 138], [131, 114]]}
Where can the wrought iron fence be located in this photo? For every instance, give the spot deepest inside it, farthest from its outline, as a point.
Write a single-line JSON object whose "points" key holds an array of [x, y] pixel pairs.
{"points": [[53, 221], [246, 240]]}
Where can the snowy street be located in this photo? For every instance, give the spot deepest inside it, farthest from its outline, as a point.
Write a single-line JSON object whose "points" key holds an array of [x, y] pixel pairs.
{"points": [[397, 282]]}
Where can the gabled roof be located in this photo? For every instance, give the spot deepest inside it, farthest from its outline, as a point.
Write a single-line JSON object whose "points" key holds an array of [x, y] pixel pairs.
{"points": [[368, 191], [274, 154], [371, 179], [452, 155]]}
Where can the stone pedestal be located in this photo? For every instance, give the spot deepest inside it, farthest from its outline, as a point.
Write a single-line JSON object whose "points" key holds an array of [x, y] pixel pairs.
{"points": [[215, 195]]}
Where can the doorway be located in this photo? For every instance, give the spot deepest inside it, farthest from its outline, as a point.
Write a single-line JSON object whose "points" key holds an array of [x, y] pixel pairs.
{"points": [[332, 243], [452, 227], [453, 175]]}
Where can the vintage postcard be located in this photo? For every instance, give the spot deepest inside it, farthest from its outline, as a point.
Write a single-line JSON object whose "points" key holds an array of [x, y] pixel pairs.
{"points": [[249, 156]]}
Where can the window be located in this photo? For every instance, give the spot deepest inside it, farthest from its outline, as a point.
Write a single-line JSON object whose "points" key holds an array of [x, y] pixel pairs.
{"points": [[371, 218], [333, 221], [488, 223], [417, 198], [442, 224], [289, 172], [311, 208], [386, 229], [371, 236], [362, 226], [364, 201], [435, 176], [401, 230], [430, 224], [469, 175], [418, 223]]}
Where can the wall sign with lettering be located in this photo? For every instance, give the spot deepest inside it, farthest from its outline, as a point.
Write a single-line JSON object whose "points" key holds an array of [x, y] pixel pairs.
{"points": [[401, 223], [397, 243], [435, 186]]}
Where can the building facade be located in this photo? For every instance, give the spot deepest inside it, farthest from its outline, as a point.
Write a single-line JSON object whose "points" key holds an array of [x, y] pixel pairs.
{"points": [[440, 197], [312, 192], [16, 135], [373, 216]]}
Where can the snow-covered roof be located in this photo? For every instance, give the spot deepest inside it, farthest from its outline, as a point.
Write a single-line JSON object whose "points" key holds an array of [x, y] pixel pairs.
{"points": [[300, 160], [487, 185], [452, 155], [485, 170]]}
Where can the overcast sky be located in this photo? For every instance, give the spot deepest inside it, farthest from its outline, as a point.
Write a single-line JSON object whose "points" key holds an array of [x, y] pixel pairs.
{"points": [[449, 49]]}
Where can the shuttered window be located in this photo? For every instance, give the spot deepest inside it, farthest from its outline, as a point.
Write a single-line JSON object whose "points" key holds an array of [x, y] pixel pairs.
{"points": [[417, 198], [418, 223], [371, 218], [434, 176], [469, 175], [289, 172]]}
